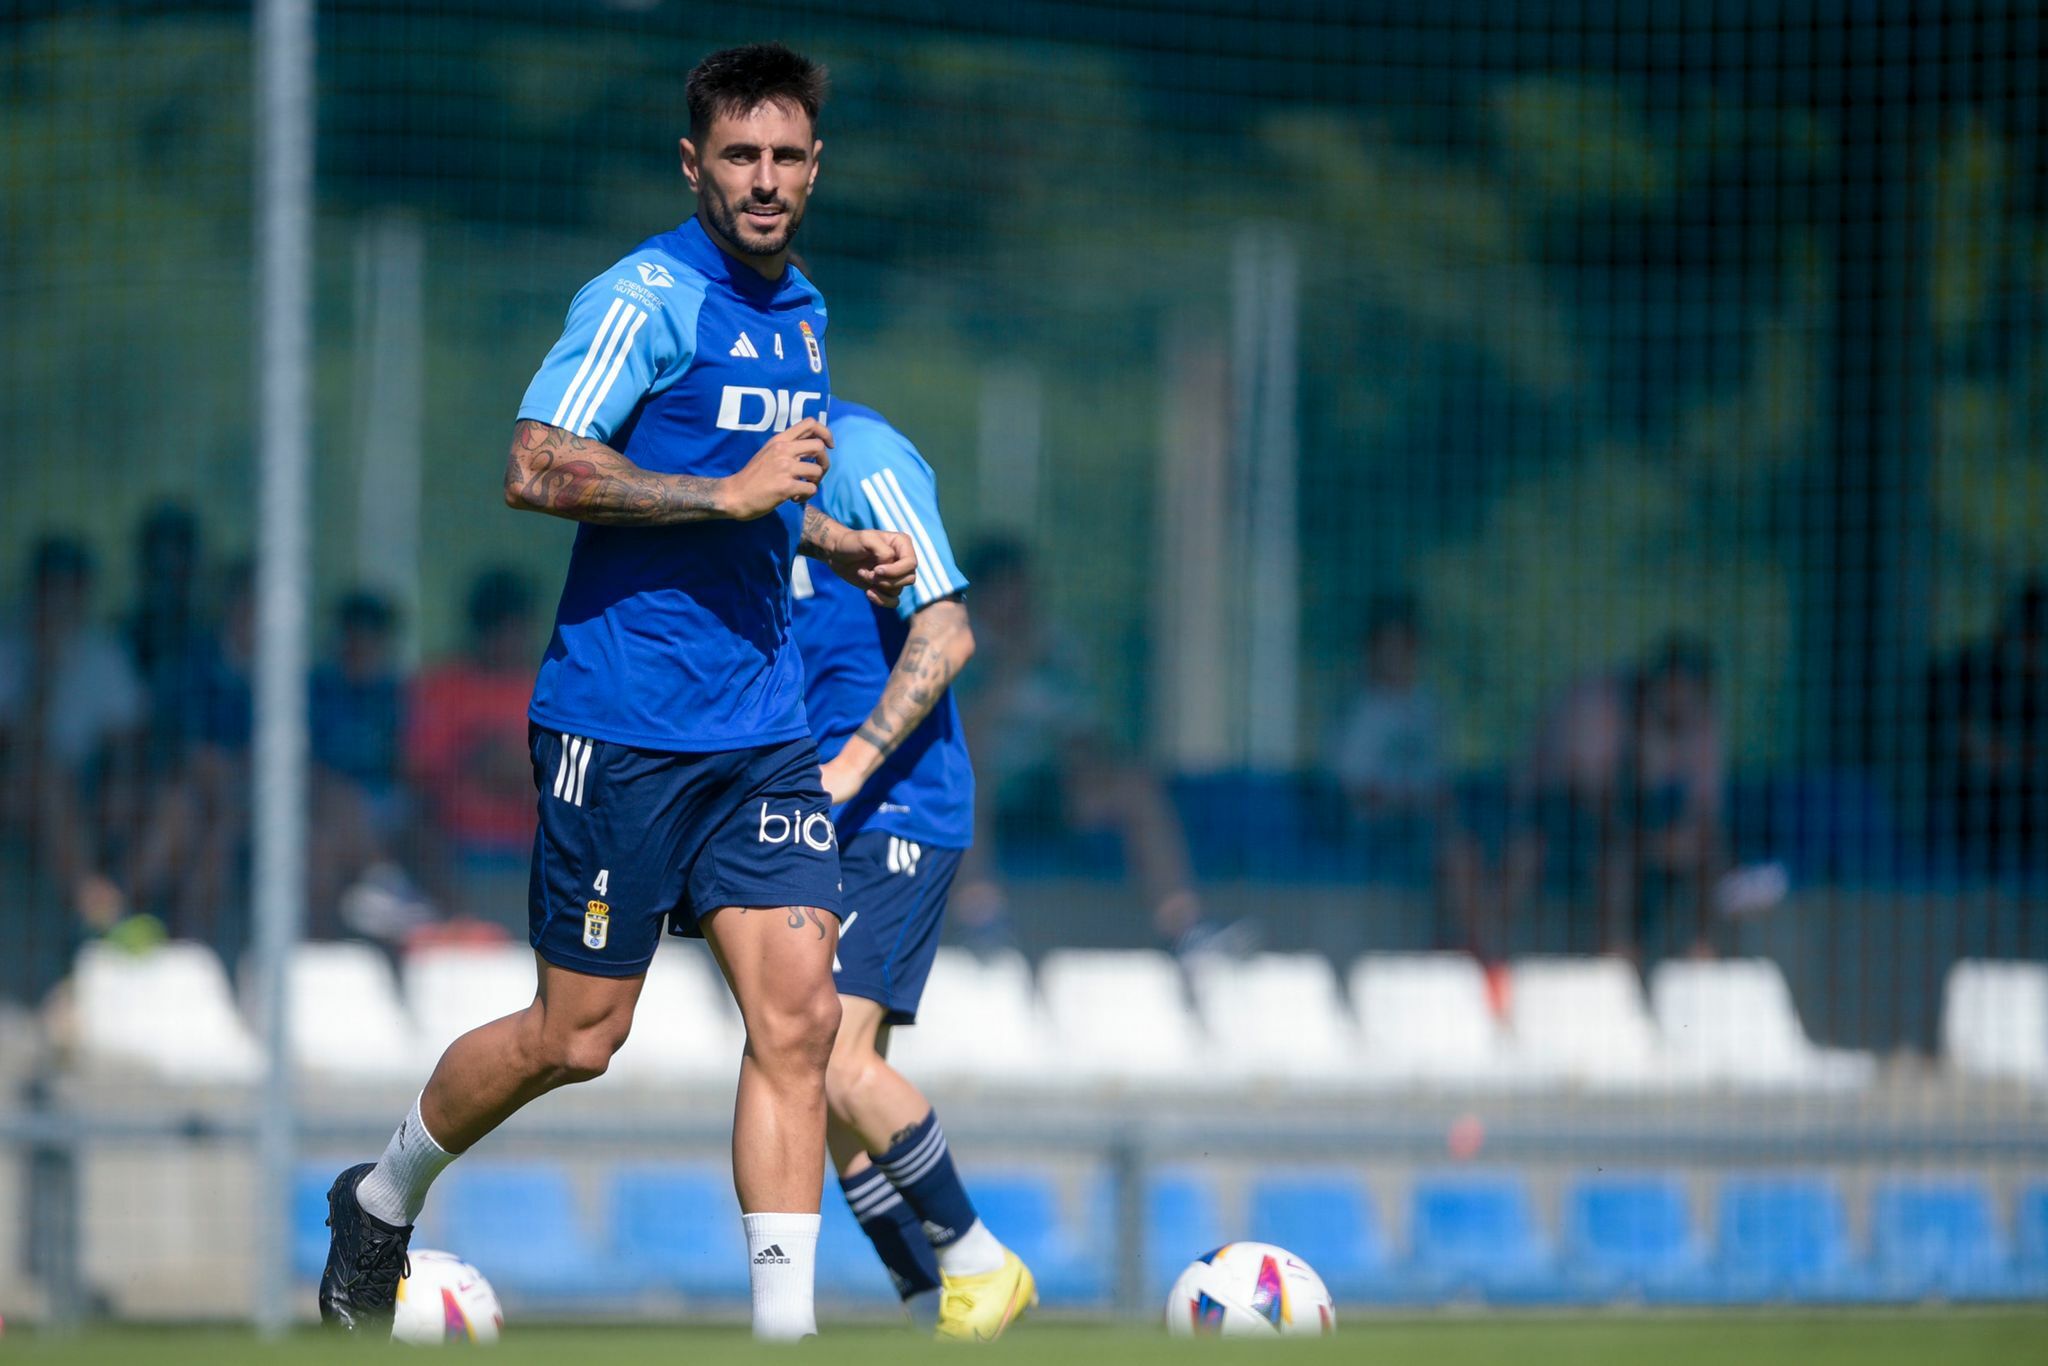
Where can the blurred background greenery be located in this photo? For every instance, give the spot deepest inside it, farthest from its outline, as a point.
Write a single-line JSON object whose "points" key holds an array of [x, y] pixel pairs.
{"points": [[1575, 294]]}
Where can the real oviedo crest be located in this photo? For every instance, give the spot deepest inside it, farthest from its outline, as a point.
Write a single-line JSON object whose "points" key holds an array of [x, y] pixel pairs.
{"points": [[811, 347]]}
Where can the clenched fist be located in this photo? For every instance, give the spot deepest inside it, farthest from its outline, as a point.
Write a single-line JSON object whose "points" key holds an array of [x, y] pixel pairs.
{"points": [[787, 469], [880, 563]]}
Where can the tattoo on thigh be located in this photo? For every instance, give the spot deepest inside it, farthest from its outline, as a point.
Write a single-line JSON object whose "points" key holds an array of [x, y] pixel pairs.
{"points": [[799, 916]]}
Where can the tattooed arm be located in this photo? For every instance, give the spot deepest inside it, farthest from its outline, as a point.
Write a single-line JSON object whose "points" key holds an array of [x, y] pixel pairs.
{"points": [[557, 472], [940, 644], [881, 563]]}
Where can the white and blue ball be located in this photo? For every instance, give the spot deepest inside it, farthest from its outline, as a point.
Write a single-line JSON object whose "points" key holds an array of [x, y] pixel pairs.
{"points": [[443, 1300], [1250, 1290]]}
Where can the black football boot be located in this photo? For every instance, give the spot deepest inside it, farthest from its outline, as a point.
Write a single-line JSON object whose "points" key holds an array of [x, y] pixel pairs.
{"points": [[365, 1262]]}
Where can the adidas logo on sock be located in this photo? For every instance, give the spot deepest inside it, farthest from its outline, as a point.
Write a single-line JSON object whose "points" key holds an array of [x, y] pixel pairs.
{"points": [[771, 1255]]}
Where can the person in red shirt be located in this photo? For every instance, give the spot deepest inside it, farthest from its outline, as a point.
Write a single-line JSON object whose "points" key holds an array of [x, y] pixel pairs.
{"points": [[466, 742]]}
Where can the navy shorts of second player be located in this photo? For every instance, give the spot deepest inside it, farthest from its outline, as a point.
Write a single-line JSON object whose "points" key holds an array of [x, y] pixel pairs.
{"points": [[630, 837], [895, 896]]}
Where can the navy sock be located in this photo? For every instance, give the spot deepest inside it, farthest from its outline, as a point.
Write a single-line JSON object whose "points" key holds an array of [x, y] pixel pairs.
{"points": [[891, 1226], [921, 1167]]}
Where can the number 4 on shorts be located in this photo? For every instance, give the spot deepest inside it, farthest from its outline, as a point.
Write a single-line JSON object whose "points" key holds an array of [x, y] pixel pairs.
{"points": [[603, 884]]}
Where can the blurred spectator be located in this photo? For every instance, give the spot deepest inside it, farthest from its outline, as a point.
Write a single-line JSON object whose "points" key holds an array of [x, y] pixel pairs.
{"points": [[467, 755], [1044, 759], [360, 805], [357, 698], [1388, 748], [1388, 755], [71, 716], [1988, 741], [192, 866], [168, 633], [1621, 799]]}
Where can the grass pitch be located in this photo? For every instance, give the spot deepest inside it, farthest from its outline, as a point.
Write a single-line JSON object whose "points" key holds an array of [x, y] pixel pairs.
{"points": [[1894, 1338]]}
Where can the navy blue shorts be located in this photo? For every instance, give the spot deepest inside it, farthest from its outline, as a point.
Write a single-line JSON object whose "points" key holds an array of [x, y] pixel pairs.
{"points": [[889, 930], [630, 836]]}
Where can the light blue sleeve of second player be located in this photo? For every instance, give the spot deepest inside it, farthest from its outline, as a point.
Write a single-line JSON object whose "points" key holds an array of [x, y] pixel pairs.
{"points": [[880, 483], [629, 334]]}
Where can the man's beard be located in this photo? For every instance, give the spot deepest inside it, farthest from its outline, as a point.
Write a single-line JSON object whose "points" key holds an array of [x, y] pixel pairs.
{"points": [[726, 218]]}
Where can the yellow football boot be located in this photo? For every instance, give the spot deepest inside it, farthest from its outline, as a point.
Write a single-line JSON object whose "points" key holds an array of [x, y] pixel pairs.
{"points": [[979, 1308]]}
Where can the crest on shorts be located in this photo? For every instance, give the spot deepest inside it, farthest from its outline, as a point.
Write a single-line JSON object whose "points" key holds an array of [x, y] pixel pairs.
{"points": [[811, 346], [597, 925]]}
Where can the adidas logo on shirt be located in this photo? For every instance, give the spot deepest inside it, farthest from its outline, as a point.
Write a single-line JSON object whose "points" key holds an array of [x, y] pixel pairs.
{"points": [[744, 347], [771, 1255]]}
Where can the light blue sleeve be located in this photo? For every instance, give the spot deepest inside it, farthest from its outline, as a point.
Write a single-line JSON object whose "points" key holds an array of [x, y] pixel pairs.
{"points": [[880, 483], [630, 333]]}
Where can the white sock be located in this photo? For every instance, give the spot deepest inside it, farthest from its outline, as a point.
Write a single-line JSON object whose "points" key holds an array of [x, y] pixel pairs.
{"points": [[782, 1258], [923, 1308], [396, 1188], [974, 1253]]}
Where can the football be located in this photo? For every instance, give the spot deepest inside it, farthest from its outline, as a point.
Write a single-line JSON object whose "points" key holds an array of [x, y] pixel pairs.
{"points": [[1250, 1290], [444, 1299]]}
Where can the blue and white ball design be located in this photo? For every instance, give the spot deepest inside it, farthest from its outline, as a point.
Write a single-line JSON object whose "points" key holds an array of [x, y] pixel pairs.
{"points": [[444, 1299], [1250, 1290]]}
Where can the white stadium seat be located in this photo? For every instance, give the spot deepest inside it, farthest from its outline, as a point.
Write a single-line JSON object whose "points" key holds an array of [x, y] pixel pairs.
{"points": [[685, 1027], [450, 989], [1732, 1022], [1583, 1019], [1277, 1016], [1122, 1015], [1425, 1018], [168, 1010], [980, 1021], [345, 1018], [1994, 1019]]}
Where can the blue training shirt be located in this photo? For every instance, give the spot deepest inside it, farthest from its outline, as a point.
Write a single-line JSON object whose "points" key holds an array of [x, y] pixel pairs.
{"points": [[878, 481], [676, 638]]}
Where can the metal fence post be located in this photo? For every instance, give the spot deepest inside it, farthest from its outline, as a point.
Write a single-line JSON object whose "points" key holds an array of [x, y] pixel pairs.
{"points": [[53, 1217], [284, 242], [1127, 1159]]}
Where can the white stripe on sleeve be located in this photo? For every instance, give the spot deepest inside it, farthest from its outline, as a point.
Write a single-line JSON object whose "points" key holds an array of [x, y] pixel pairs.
{"points": [[922, 588], [924, 537], [879, 504], [583, 370], [932, 576], [618, 364]]}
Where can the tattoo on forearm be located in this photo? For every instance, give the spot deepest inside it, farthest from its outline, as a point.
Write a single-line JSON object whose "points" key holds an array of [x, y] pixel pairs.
{"points": [[555, 471], [919, 679], [820, 532]]}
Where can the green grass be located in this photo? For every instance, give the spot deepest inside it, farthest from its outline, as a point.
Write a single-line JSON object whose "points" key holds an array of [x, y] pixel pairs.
{"points": [[1903, 1338]]}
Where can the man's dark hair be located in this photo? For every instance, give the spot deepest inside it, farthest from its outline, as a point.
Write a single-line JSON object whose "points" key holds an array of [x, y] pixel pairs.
{"points": [[167, 533], [1390, 613], [740, 80], [363, 610], [498, 595], [1680, 656], [58, 556], [2026, 616]]}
